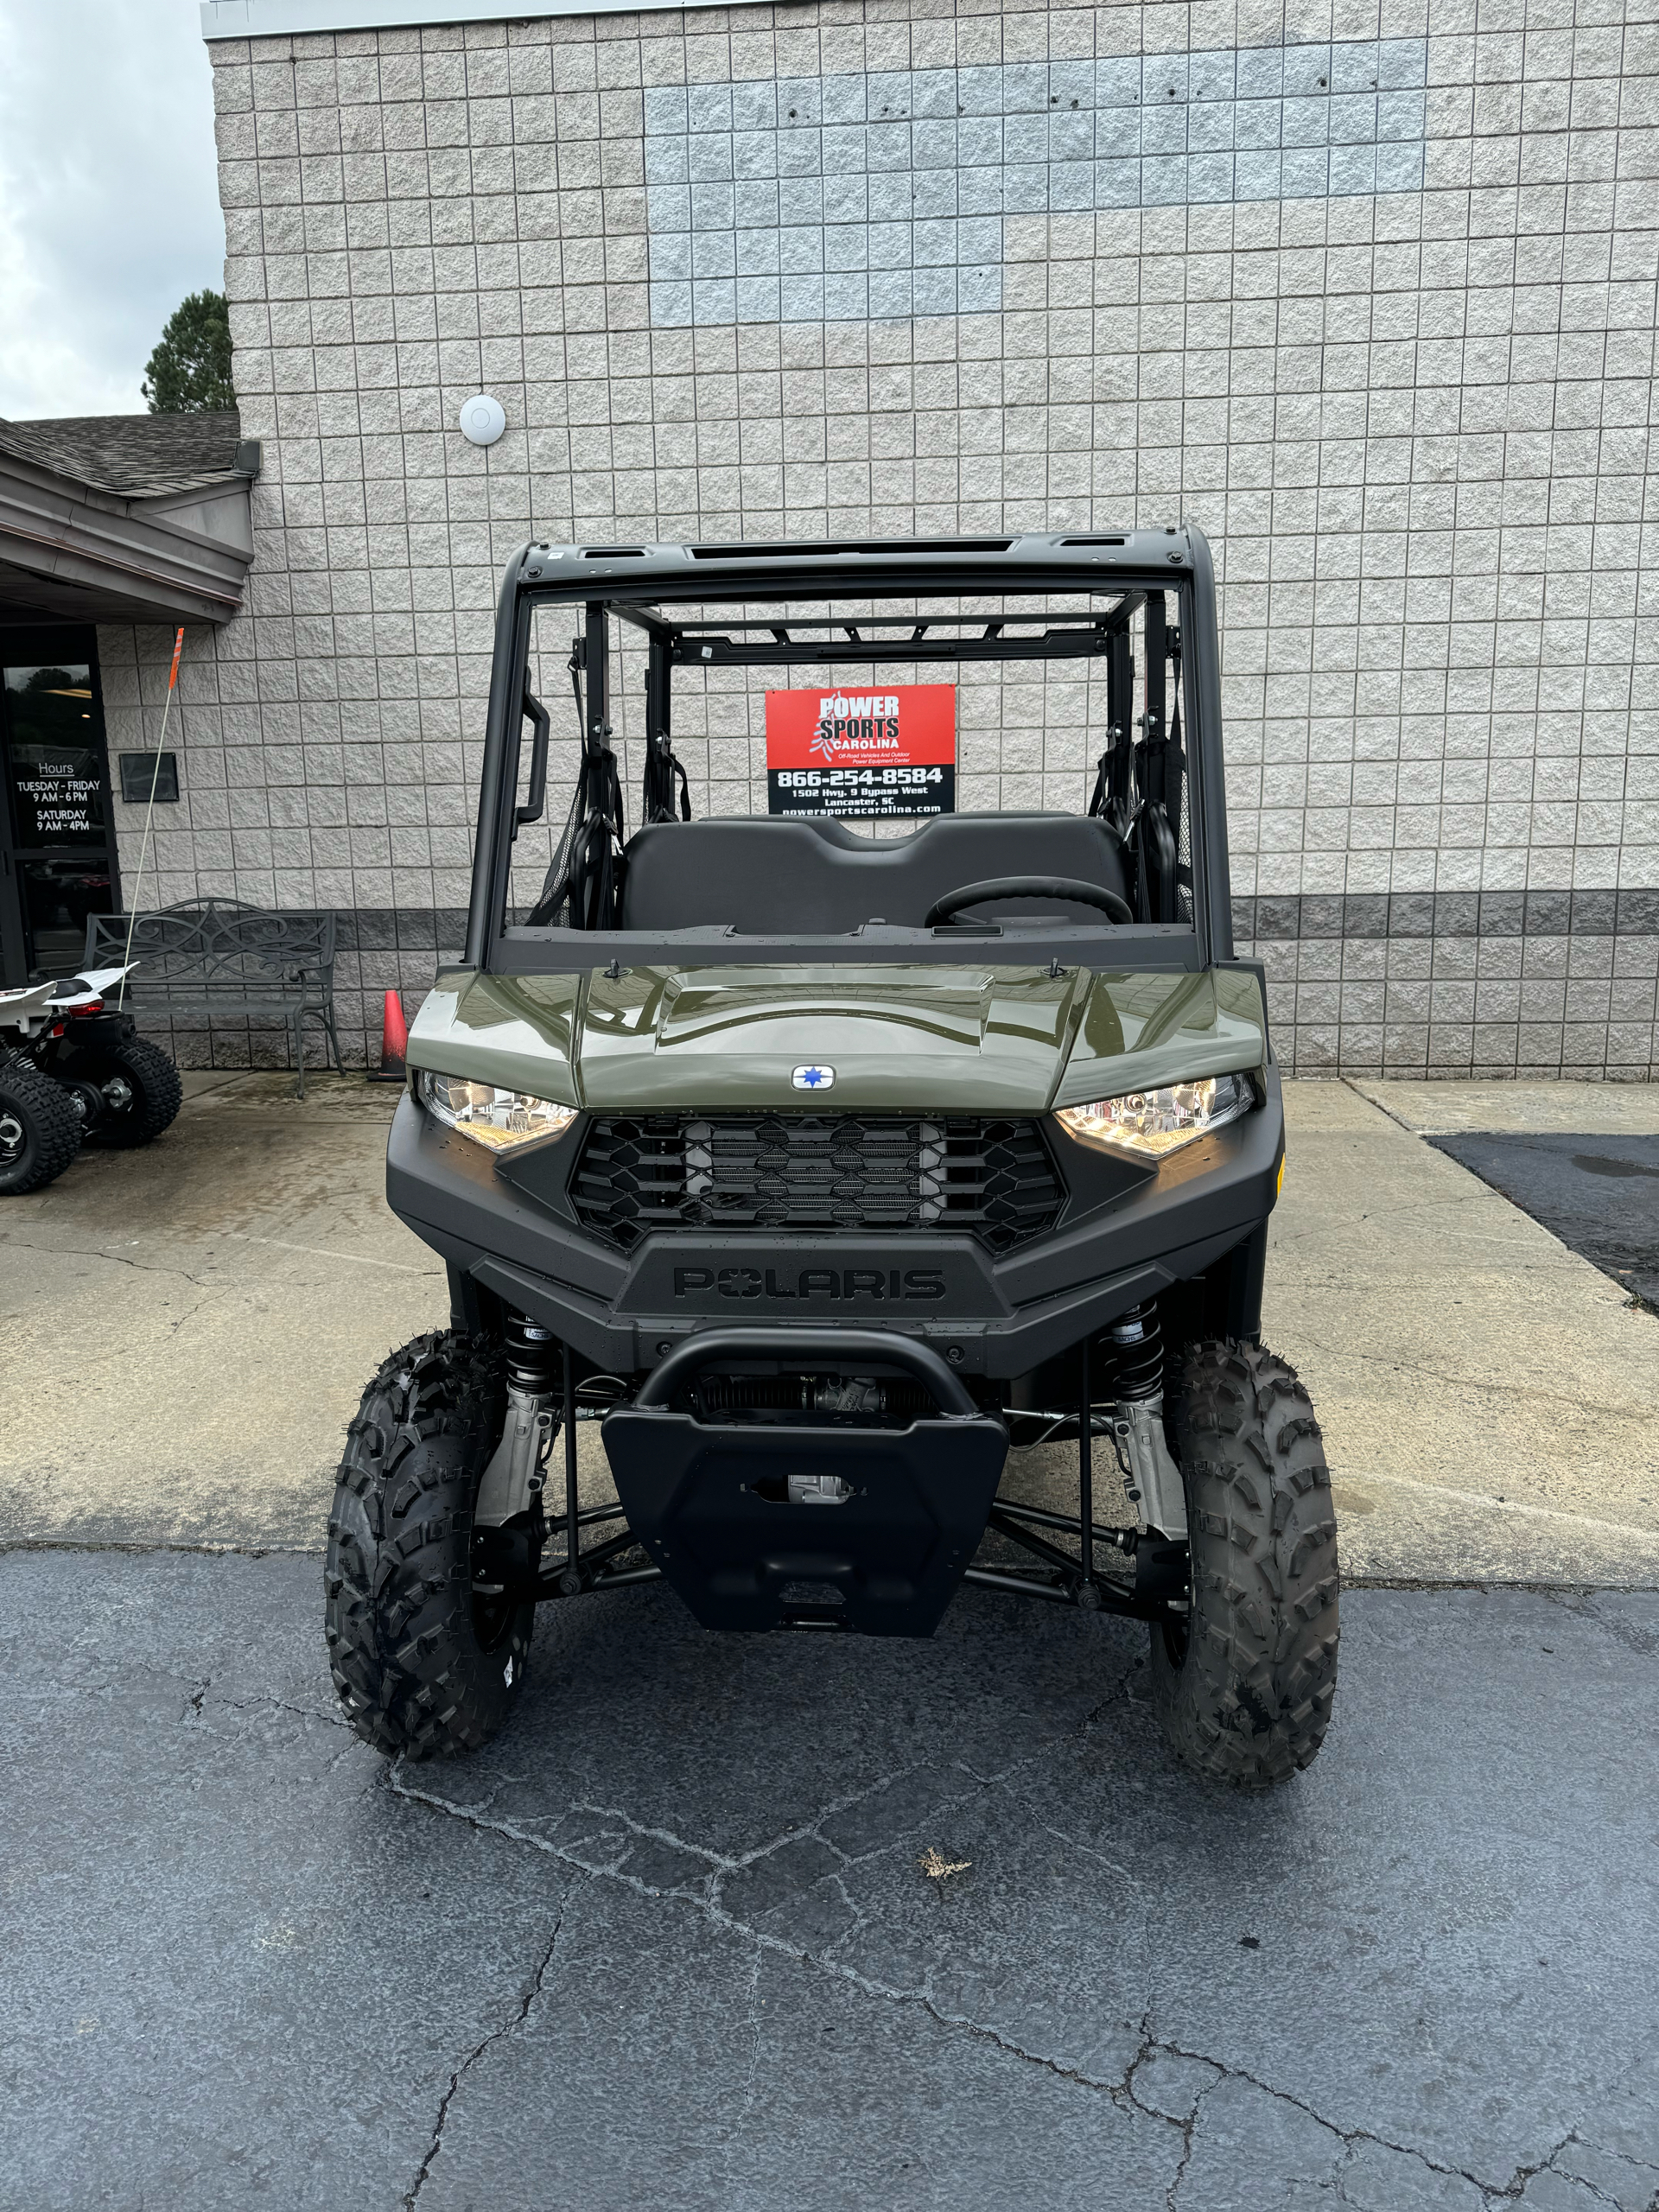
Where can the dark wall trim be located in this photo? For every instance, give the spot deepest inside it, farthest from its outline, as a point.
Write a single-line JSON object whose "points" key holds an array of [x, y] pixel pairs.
{"points": [[1280, 919], [1447, 913], [1258, 921], [401, 929]]}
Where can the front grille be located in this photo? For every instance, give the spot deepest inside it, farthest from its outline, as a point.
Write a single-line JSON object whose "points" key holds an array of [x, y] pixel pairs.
{"points": [[993, 1180]]}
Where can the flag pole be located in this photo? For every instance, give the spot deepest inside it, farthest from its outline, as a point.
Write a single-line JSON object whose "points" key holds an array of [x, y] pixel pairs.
{"points": [[154, 776]]}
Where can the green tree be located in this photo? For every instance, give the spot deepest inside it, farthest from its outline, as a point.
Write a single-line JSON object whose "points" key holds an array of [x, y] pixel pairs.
{"points": [[190, 370]]}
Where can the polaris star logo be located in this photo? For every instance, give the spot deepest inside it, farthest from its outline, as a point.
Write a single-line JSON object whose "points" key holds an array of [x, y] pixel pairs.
{"points": [[813, 1077]]}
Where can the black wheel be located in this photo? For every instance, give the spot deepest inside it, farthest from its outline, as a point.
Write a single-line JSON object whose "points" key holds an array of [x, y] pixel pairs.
{"points": [[40, 1130], [1243, 1690], [140, 1090], [424, 1664]]}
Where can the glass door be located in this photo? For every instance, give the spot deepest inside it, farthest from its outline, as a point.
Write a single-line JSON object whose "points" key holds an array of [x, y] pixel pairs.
{"points": [[59, 866]]}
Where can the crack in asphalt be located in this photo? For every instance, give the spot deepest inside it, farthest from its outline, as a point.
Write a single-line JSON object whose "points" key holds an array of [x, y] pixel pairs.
{"points": [[1637, 2166], [1579, 2180], [1076, 1843], [799, 1954], [725, 1864], [765, 1940], [1494, 2192], [497, 2035], [819, 1958], [282, 1704], [1120, 2090], [1188, 2128]]}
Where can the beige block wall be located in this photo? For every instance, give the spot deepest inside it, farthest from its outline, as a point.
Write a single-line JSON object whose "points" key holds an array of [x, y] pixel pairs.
{"points": [[1416, 426]]}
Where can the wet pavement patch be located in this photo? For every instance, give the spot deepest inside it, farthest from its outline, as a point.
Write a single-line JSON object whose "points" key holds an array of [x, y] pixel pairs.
{"points": [[724, 1923], [1599, 1195]]}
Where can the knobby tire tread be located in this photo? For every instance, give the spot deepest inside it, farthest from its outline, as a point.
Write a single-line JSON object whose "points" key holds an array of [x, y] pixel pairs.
{"points": [[399, 1618], [1249, 1700], [159, 1093], [54, 1124]]}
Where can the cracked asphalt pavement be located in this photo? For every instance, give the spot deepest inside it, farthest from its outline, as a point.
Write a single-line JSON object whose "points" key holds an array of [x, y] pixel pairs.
{"points": [[670, 1941], [746, 1924]]}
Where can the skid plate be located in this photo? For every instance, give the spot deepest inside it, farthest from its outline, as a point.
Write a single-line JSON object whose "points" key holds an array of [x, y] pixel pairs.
{"points": [[710, 1505]]}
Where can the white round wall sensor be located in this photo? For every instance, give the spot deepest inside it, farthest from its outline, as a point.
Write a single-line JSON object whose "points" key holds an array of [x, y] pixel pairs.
{"points": [[482, 421]]}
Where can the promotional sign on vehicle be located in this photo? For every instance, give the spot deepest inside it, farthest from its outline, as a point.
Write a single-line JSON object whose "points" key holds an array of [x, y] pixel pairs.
{"points": [[891, 751]]}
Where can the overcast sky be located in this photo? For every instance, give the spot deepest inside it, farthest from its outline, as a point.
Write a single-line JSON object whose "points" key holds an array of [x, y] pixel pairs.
{"points": [[109, 208]]}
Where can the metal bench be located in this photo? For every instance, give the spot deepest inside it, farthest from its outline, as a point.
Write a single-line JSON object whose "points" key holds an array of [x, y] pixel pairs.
{"points": [[221, 959]]}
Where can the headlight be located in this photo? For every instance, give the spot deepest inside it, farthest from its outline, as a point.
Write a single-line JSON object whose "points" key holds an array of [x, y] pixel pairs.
{"points": [[1157, 1122], [489, 1115]]}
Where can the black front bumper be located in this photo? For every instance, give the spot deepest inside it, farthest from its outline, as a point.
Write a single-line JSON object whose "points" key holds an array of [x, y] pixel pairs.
{"points": [[1120, 1240], [710, 1502]]}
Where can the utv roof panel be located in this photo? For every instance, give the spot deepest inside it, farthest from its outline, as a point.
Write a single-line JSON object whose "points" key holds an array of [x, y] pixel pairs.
{"points": [[1035, 561]]}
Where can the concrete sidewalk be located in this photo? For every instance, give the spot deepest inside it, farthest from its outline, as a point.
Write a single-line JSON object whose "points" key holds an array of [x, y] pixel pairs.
{"points": [[192, 1327], [1487, 1396]]}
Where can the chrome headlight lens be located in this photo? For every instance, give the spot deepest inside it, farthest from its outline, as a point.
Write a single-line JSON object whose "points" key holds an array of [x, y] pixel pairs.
{"points": [[489, 1115], [1155, 1124]]}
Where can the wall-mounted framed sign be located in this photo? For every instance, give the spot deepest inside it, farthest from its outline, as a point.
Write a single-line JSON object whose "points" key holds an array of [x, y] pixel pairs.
{"points": [[864, 754], [137, 771]]}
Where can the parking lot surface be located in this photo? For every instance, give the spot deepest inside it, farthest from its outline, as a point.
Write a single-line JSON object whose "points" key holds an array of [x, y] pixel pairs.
{"points": [[673, 1940], [734, 1923]]}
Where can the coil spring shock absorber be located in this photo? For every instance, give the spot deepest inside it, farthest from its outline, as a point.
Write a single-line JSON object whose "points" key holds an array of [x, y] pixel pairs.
{"points": [[1150, 1475], [533, 1357], [1137, 1341], [509, 1492]]}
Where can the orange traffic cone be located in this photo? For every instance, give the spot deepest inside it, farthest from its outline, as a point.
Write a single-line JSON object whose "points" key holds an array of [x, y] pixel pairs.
{"points": [[394, 1043]]}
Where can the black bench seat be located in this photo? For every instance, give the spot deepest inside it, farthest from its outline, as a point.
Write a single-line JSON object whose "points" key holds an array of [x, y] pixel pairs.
{"points": [[765, 876]]}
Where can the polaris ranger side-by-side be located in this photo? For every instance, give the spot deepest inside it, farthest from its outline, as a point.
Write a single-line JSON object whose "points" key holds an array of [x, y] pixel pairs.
{"points": [[822, 1165]]}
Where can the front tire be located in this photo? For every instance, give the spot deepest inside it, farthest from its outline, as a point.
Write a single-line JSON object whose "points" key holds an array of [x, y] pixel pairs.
{"points": [[40, 1130], [1243, 1691], [424, 1666]]}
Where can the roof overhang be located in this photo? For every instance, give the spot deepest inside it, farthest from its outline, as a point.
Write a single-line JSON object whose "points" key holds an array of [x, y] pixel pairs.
{"points": [[69, 552]]}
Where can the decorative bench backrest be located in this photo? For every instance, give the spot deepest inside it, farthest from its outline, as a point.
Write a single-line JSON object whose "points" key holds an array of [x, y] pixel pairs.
{"points": [[218, 943]]}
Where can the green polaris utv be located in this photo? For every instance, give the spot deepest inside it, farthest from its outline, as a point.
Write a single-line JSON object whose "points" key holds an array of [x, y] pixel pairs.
{"points": [[829, 1169]]}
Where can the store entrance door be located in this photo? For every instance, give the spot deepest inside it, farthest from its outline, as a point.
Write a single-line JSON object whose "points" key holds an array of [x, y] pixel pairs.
{"points": [[57, 840]]}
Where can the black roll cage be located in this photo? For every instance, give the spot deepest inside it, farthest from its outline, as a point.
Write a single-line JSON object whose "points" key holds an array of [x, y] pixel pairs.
{"points": [[636, 583]]}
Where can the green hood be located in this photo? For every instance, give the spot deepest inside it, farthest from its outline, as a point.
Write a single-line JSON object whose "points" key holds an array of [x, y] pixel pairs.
{"points": [[968, 1040]]}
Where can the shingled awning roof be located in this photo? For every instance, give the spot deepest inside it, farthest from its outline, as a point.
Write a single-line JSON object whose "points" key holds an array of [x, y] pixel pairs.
{"points": [[138, 456], [125, 517]]}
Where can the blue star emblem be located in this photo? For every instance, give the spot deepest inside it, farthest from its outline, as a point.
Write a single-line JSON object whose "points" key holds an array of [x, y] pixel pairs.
{"points": [[813, 1077]]}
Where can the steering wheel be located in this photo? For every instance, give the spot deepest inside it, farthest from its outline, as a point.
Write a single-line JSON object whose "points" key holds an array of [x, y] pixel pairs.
{"points": [[1028, 886]]}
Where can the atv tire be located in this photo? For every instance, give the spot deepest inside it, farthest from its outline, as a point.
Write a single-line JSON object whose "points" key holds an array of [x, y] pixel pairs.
{"points": [[40, 1130], [155, 1093], [425, 1667], [1243, 1690]]}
